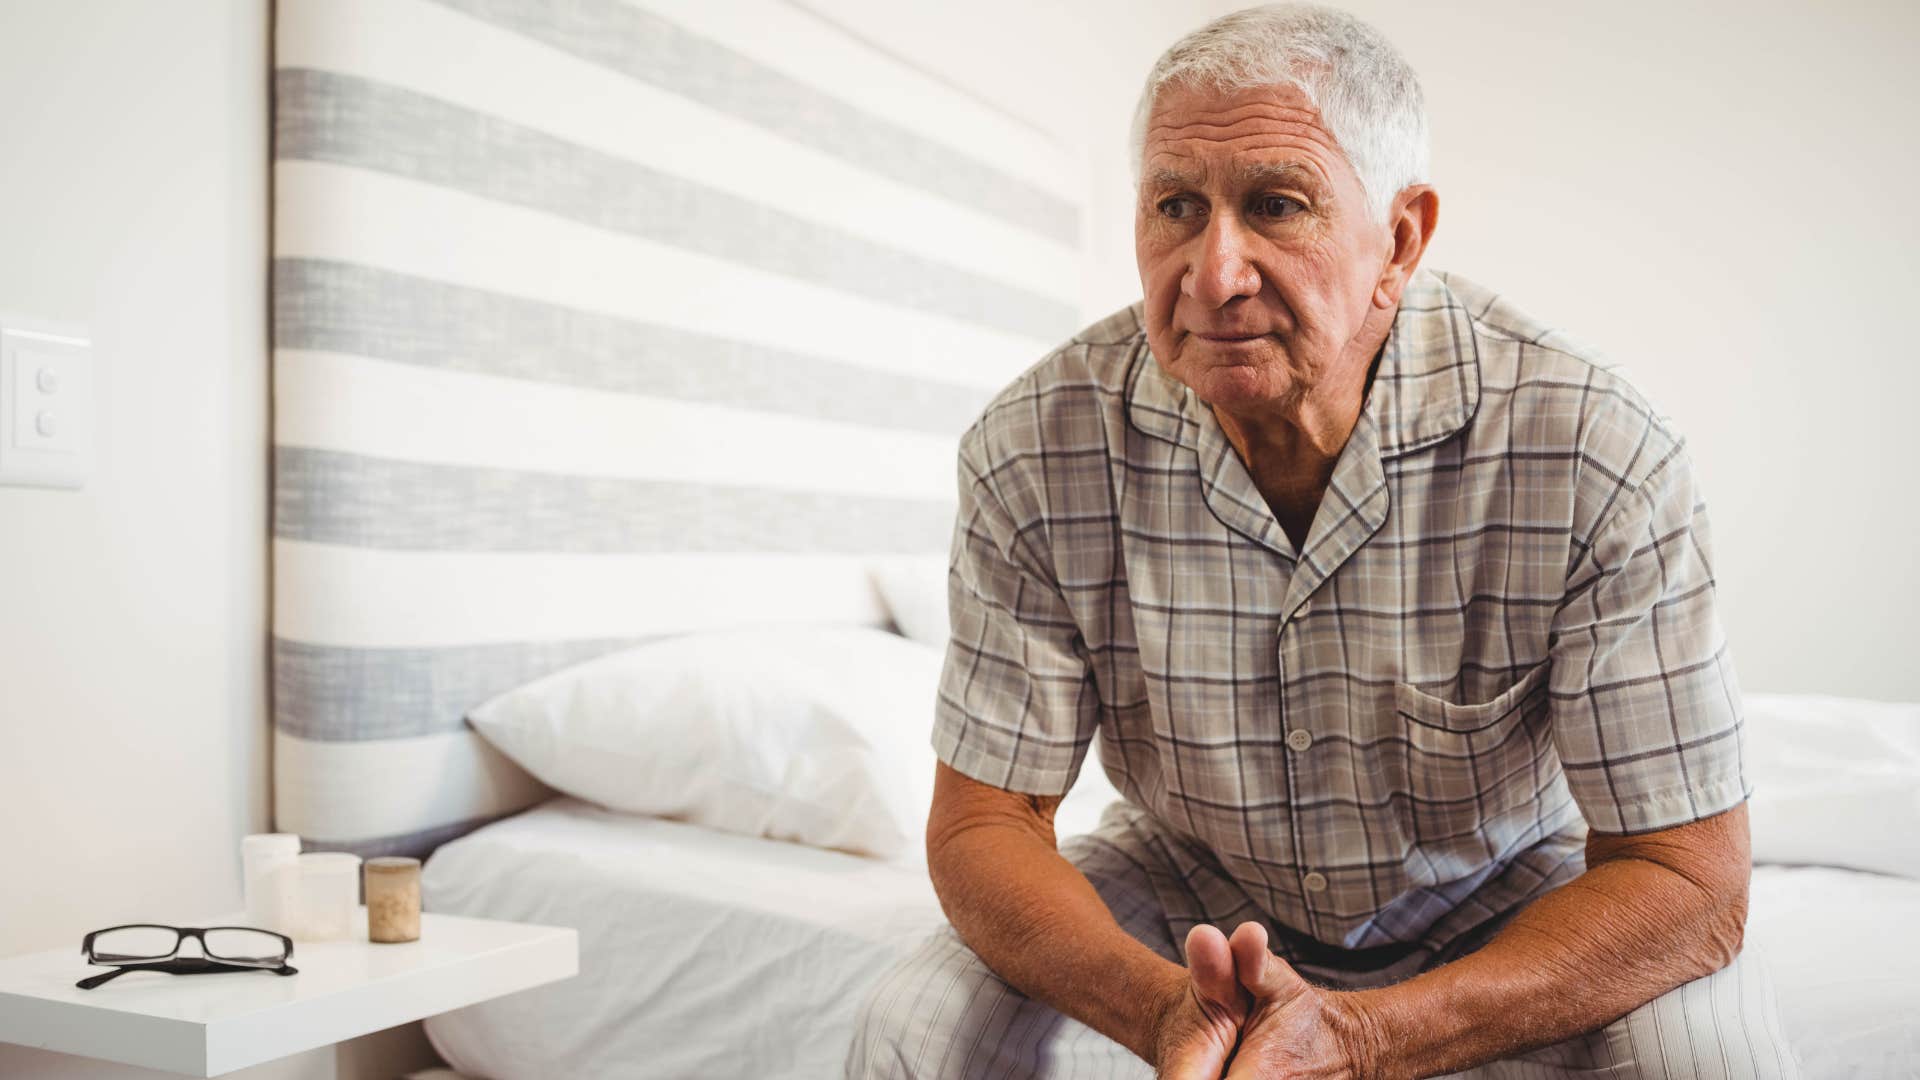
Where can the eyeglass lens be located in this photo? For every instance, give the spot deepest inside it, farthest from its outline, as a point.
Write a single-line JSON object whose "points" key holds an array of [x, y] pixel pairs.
{"points": [[136, 943], [240, 943], [133, 944]]}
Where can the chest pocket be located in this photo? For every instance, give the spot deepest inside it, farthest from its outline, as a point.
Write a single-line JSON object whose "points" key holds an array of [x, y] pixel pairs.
{"points": [[1467, 764]]}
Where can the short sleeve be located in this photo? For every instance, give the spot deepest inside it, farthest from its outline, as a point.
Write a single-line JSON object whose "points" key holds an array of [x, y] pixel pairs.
{"points": [[1646, 711], [1017, 707]]}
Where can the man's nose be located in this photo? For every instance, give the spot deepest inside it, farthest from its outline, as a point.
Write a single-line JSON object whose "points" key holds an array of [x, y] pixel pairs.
{"points": [[1220, 269]]}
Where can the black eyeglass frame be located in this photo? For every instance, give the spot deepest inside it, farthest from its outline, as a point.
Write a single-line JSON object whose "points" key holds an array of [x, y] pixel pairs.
{"points": [[208, 963]]}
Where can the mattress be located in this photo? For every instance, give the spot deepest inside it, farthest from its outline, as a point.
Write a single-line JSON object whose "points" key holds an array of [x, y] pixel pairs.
{"points": [[714, 955]]}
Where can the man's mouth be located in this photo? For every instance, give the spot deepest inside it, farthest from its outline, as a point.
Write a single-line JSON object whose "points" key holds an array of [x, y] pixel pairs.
{"points": [[1227, 339]]}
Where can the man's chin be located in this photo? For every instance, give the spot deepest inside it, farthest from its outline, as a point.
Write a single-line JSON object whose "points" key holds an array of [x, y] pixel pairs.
{"points": [[1238, 386]]}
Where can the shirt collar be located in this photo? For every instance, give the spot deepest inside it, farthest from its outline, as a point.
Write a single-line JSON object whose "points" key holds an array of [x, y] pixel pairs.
{"points": [[1427, 388]]}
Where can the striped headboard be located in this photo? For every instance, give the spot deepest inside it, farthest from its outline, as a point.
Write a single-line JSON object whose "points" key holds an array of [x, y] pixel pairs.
{"points": [[600, 320]]}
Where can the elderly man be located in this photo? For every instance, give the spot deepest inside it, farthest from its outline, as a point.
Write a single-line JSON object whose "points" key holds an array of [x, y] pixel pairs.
{"points": [[1392, 615]]}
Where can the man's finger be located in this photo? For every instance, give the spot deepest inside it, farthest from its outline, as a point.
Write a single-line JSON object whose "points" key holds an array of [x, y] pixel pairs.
{"points": [[1266, 976], [1210, 965]]}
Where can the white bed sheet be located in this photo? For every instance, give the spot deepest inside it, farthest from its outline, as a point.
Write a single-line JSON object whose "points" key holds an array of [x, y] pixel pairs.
{"points": [[1844, 948], [702, 953], [714, 955]]}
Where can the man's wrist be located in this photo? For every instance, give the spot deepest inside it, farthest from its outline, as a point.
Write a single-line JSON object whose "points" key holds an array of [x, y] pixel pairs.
{"points": [[1361, 1024], [1162, 1006], [1412, 1028]]}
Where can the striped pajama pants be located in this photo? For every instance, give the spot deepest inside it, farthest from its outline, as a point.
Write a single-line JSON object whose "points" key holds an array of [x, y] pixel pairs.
{"points": [[940, 1012]]}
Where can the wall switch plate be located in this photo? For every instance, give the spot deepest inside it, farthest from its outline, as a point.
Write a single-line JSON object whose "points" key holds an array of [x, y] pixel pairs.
{"points": [[46, 404]]}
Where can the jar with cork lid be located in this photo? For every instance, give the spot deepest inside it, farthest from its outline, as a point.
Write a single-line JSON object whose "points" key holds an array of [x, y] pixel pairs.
{"points": [[393, 899]]}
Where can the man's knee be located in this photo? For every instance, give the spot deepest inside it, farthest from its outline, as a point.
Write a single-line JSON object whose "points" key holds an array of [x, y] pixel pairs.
{"points": [[1726, 1024], [942, 1013], [926, 1015]]}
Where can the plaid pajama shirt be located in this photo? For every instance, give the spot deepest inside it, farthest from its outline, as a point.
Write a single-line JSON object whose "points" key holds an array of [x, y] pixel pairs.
{"points": [[1500, 629], [1498, 633]]}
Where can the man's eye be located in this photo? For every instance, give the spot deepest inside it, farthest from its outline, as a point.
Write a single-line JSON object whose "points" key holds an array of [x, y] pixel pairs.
{"points": [[1276, 206], [1179, 208]]}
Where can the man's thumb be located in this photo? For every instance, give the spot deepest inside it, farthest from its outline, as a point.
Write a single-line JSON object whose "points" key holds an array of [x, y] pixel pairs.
{"points": [[1210, 965], [1266, 976]]}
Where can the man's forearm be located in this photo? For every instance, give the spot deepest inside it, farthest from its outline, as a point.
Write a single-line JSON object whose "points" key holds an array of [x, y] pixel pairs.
{"points": [[1579, 957], [1038, 923]]}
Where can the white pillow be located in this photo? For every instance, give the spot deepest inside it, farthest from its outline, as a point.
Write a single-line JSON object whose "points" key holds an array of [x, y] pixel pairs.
{"points": [[814, 734], [818, 735], [914, 590], [1836, 782]]}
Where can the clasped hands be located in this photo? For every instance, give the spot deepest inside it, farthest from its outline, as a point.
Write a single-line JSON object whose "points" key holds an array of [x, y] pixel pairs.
{"points": [[1245, 1013]]}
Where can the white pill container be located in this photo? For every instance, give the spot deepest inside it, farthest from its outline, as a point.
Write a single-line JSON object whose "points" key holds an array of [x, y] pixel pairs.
{"points": [[269, 864], [326, 896]]}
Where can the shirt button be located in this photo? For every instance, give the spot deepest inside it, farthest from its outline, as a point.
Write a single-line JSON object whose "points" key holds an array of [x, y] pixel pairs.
{"points": [[1299, 738], [1316, 882], [1306, 607]]}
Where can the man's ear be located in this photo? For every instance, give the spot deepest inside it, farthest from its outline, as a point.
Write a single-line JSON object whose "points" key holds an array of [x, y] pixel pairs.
{"points": [[1415, 213]]}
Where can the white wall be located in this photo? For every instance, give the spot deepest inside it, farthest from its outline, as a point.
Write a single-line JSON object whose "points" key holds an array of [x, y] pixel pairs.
{"points": [[1712, 193], [133, 200]]}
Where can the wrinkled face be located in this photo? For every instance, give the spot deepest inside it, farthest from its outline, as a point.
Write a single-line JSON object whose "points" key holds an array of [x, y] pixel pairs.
{"points": [[1257, 254]]}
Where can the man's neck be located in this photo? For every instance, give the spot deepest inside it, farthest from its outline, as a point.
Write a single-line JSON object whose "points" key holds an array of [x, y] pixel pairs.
{"points": [[1291, 451], [1295, 446]]}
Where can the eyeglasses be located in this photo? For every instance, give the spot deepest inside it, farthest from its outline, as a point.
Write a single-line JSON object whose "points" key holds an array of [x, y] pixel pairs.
{"points": [[151, 947]]}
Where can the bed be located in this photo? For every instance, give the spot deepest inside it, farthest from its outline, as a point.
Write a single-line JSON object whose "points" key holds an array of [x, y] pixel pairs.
{"points": [[709, 954]]}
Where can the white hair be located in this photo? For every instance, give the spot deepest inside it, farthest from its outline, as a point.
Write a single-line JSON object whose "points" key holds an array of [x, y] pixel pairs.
{"points": [[1368, 96]]}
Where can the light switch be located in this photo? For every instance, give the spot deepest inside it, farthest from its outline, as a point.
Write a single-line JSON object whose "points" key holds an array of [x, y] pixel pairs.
{"points": [[46, 404]]}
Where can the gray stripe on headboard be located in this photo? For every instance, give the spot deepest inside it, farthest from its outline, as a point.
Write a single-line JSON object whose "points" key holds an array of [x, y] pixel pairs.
{"points": [[646, 47], [413, 845], [346, 120], [363, 311], [340, 694], [361, 501]]}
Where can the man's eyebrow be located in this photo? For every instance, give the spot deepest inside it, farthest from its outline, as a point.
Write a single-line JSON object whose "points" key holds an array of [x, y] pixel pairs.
{"points": [[1252, 174], [1164, 177], [1260, 173]]}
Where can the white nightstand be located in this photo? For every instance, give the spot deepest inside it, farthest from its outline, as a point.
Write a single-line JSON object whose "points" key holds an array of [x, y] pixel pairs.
{"points": [[207, 1025]]}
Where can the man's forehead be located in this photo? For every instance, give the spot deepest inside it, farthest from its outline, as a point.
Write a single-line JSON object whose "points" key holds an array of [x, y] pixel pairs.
{"points": [[1182, 104], [1250, 135]]}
